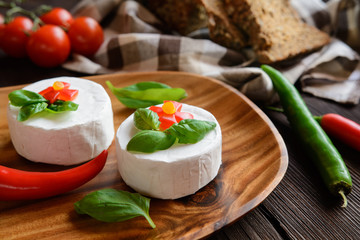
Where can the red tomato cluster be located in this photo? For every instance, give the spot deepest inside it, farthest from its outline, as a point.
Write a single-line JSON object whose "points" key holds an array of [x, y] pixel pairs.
{"points": [[51, 44]]}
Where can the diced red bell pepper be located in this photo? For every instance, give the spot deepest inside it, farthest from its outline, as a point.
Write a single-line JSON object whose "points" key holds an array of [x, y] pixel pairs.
{"points": [[166, 121], [66, 85], [183, 115], [52, 96], [64, 94], [49, 89], [68, 94], [157, 110]]}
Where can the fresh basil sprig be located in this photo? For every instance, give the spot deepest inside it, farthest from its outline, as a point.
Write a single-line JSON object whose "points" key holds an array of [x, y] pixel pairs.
{"points": [[145, 94], [31, 103], [110, 205], [149, 140]]}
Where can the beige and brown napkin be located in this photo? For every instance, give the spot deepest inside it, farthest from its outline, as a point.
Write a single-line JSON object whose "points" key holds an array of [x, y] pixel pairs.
{"points": [[134, 42]]}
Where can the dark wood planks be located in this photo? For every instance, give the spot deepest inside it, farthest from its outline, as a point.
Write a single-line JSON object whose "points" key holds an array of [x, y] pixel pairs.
{"points": [[301, 203]]}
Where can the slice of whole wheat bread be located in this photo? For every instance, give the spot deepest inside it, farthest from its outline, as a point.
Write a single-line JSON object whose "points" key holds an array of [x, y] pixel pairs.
{"points": [[221, 29], [275, 29], [183, 16]]}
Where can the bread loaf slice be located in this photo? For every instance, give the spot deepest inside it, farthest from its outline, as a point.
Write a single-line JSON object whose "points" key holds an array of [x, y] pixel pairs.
{"points": [[221, 29], [275, 30], [183, 16]]}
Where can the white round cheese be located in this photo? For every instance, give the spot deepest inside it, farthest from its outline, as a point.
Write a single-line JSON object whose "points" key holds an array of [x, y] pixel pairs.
{"points": [[69, 137], [173, 173]]}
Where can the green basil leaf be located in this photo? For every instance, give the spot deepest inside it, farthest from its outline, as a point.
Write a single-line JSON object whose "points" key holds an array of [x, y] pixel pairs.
{"points": [[30, 110], [145, 119], [146, 85], [110, 205], [145, 94], [135, 103], [156, 94], [62, 106], [149, 141], [23, 97], [191, 130]]}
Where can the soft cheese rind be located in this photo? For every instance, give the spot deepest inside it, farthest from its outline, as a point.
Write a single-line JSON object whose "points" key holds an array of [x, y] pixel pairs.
{"points": [[65, 138], [173, 173]]}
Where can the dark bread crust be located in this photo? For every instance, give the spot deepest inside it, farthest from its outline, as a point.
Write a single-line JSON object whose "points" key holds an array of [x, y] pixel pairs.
{"points": [[221, 29], [271, 27], [275, 29], [183, 16]]}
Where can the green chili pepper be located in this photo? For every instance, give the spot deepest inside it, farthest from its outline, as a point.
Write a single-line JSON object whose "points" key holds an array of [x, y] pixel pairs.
{"points": [[320, 148]]}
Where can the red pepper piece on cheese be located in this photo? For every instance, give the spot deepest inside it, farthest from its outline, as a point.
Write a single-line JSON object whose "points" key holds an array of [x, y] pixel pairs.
{"points": [[170, 113], [59, 91]]}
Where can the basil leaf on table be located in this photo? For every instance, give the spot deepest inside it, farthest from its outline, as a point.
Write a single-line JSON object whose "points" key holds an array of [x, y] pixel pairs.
{"points": [[146, 94], [149, 141], [145, 119], [110, 205], [62, 106], [23, 97], [191, 130], [30, 110]]}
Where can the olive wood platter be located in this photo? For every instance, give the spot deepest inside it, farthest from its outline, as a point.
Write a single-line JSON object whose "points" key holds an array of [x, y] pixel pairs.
{"points": [[254, 160]]}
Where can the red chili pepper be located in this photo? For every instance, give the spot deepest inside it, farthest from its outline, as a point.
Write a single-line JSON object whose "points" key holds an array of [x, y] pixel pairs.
{"points": [[341, 128], [23, 185]]}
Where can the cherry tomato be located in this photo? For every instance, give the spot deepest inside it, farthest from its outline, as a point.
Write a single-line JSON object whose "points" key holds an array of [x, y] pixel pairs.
{"points": [[15, 35], [86, 36], [58, 16], [49, 46]]}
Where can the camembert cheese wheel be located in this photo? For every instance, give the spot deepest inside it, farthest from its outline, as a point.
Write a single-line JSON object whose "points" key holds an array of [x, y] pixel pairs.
{"points": [[69, 137], [176, 172]]}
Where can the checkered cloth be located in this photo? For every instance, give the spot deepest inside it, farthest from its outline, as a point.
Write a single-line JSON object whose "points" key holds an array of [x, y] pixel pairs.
{"points": [[134, 43]]}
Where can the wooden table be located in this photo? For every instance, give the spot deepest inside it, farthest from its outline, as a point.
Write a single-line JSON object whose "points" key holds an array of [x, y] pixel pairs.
{"points": [[299, 208]]}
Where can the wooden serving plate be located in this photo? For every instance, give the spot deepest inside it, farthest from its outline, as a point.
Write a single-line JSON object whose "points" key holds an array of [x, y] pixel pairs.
{"points": [[254, 161]]}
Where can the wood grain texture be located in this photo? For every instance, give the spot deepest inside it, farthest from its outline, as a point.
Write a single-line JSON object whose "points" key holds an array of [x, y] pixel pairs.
{"points": [[301, 203], [254, 162]]}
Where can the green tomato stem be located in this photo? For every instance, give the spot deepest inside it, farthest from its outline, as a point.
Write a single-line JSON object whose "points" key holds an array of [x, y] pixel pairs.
{"points": [[13, 8]]}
